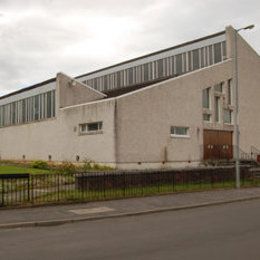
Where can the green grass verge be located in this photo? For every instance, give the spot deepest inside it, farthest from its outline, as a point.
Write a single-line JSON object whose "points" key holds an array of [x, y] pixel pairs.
{"points": [[50, 193], [108, 194], [10, 169]]}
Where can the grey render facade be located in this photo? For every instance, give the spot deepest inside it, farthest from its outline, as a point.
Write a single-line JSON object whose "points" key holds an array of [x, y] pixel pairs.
{"points": [[171, 108]]}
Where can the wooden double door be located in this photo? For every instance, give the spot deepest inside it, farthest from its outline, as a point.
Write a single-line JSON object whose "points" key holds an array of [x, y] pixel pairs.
{"points": [[218, 145]]}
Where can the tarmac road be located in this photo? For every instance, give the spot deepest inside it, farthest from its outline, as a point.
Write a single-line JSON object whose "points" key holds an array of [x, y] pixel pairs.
{"points": [[230, 231]]}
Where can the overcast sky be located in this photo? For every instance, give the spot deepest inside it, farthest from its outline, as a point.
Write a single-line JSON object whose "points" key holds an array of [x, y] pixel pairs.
{"points": [[39, 38]]}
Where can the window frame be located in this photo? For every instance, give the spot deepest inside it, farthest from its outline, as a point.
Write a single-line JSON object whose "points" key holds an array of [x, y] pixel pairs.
{"points": [[176, 135], [230, 92], [230, 116], [87, 130], [210, 118], [209, 97], [217, 109]]}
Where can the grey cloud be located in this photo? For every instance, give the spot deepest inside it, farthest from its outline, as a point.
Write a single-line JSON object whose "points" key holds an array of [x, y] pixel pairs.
{"points": [[40, 38]]}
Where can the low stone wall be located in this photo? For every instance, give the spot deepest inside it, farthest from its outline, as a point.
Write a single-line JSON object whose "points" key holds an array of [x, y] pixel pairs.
{"points": [[122, 180]]}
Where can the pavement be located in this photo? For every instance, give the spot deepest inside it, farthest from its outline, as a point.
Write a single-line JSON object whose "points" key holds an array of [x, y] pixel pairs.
{"points": [[226, 232], [61, 214]]}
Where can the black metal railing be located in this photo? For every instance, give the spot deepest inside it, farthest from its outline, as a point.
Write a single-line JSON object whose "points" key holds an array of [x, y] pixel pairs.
{"points": [[255, 153], [25, 189], [219, 152]]}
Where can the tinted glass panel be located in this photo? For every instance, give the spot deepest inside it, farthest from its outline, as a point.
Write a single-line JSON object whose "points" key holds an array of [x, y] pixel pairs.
{"points": [[227, 116], [210, 55], [217, 52], [202, 57], [146, 72], [160, 68], [206, 98], [224, 49], [178, 64], [196, 64], [130, 76], [217, 109]]}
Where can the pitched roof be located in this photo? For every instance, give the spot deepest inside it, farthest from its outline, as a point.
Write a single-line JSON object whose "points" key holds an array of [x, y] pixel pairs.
{"points": [[123, 90], [153, 53], [29, 88]]}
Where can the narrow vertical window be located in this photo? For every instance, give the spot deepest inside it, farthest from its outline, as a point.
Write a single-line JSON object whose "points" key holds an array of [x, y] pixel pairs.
{"points": [[160, 68], [36, 107], [196, 63], [217, 53], [202, 63], [53, 104], [48, 104], [105, 82], [95, 83], [179, 64], [184, 65], [210, 55], [206, 98], [217, 109], [190, 60], [172, 66], [13, 114], [146, 72], [130, 76], [224, 51], [118, 79], [23, 111]]}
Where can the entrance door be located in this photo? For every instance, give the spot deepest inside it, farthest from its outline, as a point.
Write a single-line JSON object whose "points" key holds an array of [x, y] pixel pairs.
{"points": [[218, 145]]}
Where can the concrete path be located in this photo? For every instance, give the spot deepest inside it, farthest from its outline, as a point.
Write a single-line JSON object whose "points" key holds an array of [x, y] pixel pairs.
{"points": [[55, 215]]}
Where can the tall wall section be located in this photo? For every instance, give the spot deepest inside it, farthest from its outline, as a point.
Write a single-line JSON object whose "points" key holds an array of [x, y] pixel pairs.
{"points": [[249, 90], [145, 117], [59, 138]]}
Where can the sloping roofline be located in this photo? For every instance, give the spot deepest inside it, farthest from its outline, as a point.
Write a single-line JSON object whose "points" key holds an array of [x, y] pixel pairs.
{"points": [[154, 53], [29, 88], [115, 65]]}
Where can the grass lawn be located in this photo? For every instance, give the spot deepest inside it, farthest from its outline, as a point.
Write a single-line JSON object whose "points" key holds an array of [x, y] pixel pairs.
{"points": [[10, 169]]}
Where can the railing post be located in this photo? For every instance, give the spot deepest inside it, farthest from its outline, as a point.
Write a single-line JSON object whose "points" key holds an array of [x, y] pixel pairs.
{"points": [[3, 191], [58, 187], [32, 188], [124, 184], [173, 186], [28, 188]]}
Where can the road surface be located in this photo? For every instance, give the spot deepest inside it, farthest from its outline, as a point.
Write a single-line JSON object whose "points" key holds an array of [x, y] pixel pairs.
{"points": [[230, 231]]}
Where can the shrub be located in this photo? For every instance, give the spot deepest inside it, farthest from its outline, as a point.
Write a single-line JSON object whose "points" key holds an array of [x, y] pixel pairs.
{"points": [[40, 165], [92, 166], [66, 168], [87, 165]]}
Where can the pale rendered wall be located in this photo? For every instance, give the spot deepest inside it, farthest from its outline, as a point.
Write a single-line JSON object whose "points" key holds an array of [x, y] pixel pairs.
{"points": [[59, 137], [96, 147], [249, 91], [144, 118], [78, 93]]}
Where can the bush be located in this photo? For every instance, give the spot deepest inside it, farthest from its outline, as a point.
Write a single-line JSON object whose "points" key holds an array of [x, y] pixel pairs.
{"points": [[87, 165], [92, 166], [40, 165], [66, 168]]}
